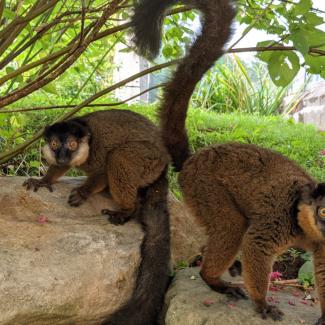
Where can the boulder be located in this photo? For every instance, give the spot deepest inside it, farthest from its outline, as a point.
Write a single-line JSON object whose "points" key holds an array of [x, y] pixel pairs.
{"points": [[189, 301], [64, 265]]}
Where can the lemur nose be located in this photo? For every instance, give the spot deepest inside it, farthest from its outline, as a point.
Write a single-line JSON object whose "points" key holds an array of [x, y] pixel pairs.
{"points": [[62, 161]]}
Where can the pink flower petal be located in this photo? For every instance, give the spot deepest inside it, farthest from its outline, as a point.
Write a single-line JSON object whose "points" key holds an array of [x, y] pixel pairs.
{"points": [[208, 302], [275, 275], [42, 219]]}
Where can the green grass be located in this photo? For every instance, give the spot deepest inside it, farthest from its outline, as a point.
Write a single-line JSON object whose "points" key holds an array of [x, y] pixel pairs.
{"points": [[302, 143]]}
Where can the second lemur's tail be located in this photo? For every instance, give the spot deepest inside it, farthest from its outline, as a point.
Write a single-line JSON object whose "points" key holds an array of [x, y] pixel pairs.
{"points": [[217, 17], [145, 304]]}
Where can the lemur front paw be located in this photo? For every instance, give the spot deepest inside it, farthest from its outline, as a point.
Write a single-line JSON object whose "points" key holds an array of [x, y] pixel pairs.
{"points": [[77, 197], [117, 217], [272, 311], [321, 321], [235, 293], [35, 184]]}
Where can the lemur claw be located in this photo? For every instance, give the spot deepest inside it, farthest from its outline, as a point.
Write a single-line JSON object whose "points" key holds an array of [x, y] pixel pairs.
{"points": [[35, 184]]}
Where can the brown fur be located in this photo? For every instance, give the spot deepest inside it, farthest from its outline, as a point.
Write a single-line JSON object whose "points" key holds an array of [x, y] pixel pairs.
{"points": [[123, 152], [256, 200], [208, 47]]}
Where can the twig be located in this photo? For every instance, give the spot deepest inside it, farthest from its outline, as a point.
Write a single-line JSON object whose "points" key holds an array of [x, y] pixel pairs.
{"points": [[272, 48], [41, 108]]}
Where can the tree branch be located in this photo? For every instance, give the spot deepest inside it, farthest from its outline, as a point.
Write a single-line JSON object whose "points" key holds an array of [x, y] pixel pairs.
{"points": [[43, 108], [273, 48]]}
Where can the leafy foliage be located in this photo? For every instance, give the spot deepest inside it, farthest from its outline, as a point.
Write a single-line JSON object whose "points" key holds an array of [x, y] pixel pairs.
{"points": [[297, 38], [232, 87]]}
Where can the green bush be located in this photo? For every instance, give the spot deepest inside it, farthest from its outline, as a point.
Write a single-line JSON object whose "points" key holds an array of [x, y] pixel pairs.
{"points": [[234, 86]]}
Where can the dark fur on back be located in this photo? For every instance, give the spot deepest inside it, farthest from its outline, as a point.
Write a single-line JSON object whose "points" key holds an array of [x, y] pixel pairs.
{"points": [[144, 306], [208, 47]]}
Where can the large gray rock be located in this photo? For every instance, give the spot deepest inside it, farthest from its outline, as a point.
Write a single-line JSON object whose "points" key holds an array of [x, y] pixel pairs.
{"points": [[71, 268], [191, 302], [63, 265]]}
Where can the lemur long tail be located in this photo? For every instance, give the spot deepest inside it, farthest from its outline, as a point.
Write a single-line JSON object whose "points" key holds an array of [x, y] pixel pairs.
{"points": [[217, 17], [145, 304]]}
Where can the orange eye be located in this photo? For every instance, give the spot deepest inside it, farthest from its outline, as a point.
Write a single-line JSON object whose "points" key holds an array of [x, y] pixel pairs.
{"points": [[54, 144], [321, 212], [73, 145]]}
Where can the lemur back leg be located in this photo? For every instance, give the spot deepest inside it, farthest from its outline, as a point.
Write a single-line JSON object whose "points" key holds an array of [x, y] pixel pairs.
{"points": [[257, 257], [220, 255], [131, 167]]}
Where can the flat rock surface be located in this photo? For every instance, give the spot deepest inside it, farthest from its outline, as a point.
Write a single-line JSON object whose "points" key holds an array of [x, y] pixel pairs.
{"points": [[64, 265], [188, 297], [61, 265]]}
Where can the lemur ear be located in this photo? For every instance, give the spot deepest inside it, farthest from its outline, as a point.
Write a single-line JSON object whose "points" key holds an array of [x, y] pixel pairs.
{"points": [[307, 193], [46, 131], [319, 190]]}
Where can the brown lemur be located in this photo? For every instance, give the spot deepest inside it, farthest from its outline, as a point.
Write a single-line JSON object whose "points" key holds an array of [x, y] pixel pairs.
{"points": [[122, 152], [247, 197], [257, 201]]}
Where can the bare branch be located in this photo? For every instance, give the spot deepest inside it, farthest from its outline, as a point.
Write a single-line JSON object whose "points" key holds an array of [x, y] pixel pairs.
{"points": [[43, 108], [273, 48]]}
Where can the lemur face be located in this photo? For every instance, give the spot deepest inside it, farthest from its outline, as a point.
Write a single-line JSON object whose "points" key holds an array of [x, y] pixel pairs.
{"points": [[311, 217], [319, 204], [67, 144]]}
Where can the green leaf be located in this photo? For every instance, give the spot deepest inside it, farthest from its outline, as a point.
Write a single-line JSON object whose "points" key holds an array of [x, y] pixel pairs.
{"points": [[20, 78], [126, 50], [322, 74], [9, 70], [7, 13], [283, 67], [14, 121], [35, 163], [266, 55], [313, 19], [50, 88], [167, 51], [302, 7], [314, 36], [300, 42], [316, 64], [307, 269]]}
